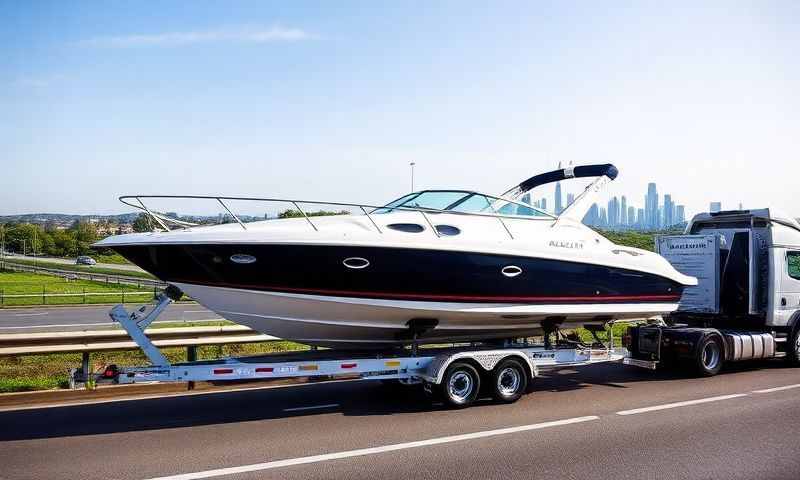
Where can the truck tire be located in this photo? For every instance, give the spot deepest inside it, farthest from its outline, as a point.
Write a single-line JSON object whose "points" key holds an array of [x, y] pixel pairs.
{"points": [[793, 348], [709, 357], [509, 381], [460, 385]]}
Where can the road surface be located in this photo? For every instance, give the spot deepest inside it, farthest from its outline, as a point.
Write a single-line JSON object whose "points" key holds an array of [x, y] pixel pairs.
{"points": [[28, 320], [49, 262], [601, 421]]}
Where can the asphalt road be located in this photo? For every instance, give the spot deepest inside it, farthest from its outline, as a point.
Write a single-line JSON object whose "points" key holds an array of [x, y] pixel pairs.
{"points": [[27, 320], [602, 421], [68, 261]]}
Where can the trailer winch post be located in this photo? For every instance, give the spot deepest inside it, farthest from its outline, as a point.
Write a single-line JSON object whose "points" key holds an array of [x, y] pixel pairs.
{"points": [[135, 327]]}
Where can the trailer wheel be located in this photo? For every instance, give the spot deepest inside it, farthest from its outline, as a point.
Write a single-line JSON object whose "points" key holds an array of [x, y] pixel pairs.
{"points": [[509, 381], [709, 357], [460, 385], [793, 348]]}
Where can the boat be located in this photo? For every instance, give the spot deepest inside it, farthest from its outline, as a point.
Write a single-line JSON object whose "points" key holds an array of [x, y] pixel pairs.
{"points": [[432, 266]]}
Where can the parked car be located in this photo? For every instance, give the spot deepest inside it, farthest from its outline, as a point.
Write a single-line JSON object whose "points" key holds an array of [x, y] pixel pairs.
{"points": [[85, 260]]}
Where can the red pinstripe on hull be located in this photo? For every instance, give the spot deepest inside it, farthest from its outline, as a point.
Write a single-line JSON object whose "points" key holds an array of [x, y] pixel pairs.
{"points": [[422, 297]]}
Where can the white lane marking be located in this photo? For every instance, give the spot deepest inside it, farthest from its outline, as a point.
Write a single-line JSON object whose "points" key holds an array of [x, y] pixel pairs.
{"points": [[29, 314], [680, 404], [195, 311], [777, 389], [372, 451], [313, 407]]}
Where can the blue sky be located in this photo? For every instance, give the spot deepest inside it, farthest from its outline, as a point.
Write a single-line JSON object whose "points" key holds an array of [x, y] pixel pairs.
{"points": [[332, 100]]}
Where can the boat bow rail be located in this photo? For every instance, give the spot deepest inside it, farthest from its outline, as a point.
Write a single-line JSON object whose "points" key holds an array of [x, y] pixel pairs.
{"points": [[369, 211]]}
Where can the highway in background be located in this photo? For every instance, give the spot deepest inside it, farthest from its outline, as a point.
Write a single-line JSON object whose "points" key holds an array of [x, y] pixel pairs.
{"points": [[32, 319], [49, 261], [600, 421]]}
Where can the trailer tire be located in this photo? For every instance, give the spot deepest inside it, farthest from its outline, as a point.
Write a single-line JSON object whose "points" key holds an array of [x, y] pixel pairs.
{"points": [[460, 385], [793, 347], [709, 356], [509, 381]]}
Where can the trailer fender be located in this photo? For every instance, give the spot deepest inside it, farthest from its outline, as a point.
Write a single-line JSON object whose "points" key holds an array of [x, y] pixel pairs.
{"points": [[486, 360]]}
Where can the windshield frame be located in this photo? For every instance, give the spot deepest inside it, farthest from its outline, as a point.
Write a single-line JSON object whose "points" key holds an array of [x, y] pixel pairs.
{"points": [[495, 204]]}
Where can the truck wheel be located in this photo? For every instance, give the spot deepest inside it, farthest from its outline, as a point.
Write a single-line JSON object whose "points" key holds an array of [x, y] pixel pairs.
{"points": [[509, 381], [709, 357], [460, 385], [793, 348]]}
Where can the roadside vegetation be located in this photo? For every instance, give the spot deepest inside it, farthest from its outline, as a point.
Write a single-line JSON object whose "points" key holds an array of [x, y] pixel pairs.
{"points": [[53, 290]]}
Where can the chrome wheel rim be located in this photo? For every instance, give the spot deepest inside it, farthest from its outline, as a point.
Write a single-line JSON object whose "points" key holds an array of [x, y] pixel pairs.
{"points": [[460, 386], [711, 355], [508, 381]]}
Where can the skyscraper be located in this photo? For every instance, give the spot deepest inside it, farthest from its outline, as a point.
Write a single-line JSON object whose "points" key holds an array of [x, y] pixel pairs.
{"points": [[669, 219], [680, 214], [623, 212], [715, 207], [641, 218], [558, 205], [570, 199], [526, 198], [543, 203], [631, 217], [613, 212], [651, 207]]}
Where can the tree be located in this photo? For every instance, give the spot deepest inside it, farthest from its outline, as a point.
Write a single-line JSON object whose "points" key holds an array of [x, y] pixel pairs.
{"points": [[142, 223], [290, 213]]}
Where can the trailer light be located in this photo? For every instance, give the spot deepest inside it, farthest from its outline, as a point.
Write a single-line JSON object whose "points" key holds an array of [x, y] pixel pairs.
{"points": [[264, 370], [393, 363], [222, 371], [309, 367], [349, 365]]}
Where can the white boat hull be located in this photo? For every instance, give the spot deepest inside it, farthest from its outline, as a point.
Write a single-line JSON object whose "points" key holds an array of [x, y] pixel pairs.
{"points": [[343, 322]]}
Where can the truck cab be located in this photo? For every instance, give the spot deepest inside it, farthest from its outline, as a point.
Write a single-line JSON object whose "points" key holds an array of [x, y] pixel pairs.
{"points": [[747, 302]]}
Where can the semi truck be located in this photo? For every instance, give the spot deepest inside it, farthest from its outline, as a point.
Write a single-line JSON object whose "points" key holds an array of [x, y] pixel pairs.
{"points": [[746, 305]]}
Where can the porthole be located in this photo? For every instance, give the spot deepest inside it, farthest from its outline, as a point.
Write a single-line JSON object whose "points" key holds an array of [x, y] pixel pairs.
{"points": [[356, 263], [243, 258], [447, 230], [406, 227], [511, 271]]}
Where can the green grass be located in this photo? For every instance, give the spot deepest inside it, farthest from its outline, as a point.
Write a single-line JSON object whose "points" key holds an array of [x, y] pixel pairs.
{"points": [[83, 268], [110, 257], [42, 372], [19, 283]]}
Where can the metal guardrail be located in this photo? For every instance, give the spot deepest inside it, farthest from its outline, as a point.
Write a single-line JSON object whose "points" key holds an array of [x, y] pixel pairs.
{"points": [[80, 275], [107, 340]]}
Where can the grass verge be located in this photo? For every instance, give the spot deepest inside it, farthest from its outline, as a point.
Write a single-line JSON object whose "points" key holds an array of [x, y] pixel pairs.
{"points": [[53, 290]]}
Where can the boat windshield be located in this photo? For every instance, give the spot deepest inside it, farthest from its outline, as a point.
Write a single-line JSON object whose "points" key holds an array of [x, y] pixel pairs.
{"points": [[461, 201]]}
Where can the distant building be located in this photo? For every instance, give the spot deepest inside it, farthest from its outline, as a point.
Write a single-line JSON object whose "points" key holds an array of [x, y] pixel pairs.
{"points": [[680, 214], [715, 207], [623, 211], [651, 207], [669, 211], [570, 199], [613, 212], [631, 217], [558, 207]]}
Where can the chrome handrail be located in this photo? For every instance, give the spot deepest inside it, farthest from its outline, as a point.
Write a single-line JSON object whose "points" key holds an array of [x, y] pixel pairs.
{"points": [[161, 219]]}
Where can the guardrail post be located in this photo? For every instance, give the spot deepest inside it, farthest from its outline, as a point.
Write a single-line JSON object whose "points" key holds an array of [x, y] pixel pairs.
{"points": [[191, 356], [123, 295], [84, 294], [85, 367], [44, 299], [1, 297]]}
